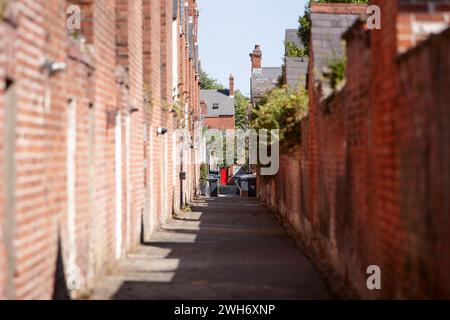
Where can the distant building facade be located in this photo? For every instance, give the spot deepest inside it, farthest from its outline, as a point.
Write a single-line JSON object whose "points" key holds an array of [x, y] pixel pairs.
{"points": [[262, 79], [90, 161], [219, 107], [292, 73]]}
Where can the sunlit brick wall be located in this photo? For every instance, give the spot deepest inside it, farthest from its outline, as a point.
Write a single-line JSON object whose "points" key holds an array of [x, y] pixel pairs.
{"points": [[136, 69], [367, 185], [3, 267], [220, 123], [62, 190], [105, 103], [40, 149], [417, 19]]}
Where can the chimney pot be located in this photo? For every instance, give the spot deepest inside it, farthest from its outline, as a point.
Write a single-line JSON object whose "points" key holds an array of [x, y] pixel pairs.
{"points": [[231, 87], [256, 57]]}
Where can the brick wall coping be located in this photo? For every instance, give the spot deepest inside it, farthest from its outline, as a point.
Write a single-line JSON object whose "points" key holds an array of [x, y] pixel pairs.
{"points": [[424, 6], [440, 37], [338, 8]]}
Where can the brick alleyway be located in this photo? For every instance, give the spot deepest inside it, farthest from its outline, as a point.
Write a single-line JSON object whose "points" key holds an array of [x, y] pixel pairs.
{"points": [[227, 248]]}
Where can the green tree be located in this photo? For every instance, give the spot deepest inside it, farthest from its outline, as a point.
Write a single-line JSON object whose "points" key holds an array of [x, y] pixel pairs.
{"points": [[304, 29], [208, 83], [304, 21], [291, 49], [282, 109], [241, 104]]}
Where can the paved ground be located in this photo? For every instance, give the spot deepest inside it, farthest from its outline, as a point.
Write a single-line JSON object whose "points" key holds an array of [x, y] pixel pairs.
{"points": [[227, 248]]}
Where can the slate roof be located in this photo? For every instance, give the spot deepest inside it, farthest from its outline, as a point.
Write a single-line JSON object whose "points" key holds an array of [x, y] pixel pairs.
{"points": [[326, 37], [264, 80], [296, 67], [296, 71], [292, 36], [221, 97]]}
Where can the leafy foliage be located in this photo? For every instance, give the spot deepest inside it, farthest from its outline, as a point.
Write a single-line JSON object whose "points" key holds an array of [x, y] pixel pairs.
{"points": [[337, 68], [176, 108], [304, 30], [291, 50], [204, 170], [282, 77], [241, 104], [283, 110], [208, 83]]}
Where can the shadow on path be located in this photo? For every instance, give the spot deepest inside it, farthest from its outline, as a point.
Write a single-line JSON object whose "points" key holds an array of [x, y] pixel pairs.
{"points": [[226, 248]]}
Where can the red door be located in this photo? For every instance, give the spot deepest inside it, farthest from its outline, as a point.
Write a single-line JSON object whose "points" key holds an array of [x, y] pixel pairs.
{"points": [[223, 176]]}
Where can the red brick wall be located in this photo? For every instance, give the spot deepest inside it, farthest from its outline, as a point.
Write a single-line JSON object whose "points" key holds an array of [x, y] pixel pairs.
{"points": [[152, 91], [153, 83], [105, 104], [423, 131], [118, 71], [40, 177], [135, 35], [385, 189], [168, 119], [368, 183], [3, 267], [220, 123], [417, 13], [80, 91]]}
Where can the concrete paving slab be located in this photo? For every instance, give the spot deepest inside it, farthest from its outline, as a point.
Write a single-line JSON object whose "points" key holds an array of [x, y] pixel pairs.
{"points": [[226, 248]]}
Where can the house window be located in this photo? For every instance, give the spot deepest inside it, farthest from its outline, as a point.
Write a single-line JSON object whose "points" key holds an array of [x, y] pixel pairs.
{"points": [[215, 106]]}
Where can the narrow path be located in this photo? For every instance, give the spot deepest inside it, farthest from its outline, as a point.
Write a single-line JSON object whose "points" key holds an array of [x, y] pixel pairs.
{"points": [[226, 248]]}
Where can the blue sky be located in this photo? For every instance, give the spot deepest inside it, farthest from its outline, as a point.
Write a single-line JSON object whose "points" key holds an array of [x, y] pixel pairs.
{"points": [[230, 29]]}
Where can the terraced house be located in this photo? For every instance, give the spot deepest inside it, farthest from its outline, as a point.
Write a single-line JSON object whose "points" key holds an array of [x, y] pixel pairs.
{"points": [[91, 96]]}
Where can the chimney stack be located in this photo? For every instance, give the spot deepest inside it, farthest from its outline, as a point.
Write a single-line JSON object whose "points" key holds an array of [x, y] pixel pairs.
{"points": [[231, 87], [256, 57]]}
